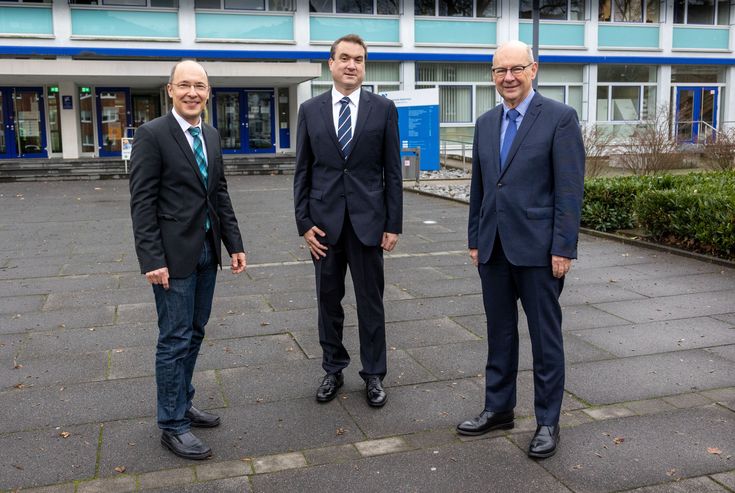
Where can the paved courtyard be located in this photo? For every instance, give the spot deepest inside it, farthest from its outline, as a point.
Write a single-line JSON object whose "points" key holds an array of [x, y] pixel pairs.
{"points": [[650, 346]]}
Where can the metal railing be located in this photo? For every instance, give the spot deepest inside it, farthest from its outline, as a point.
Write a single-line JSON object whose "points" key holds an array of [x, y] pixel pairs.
{"points": [[459, 148]]}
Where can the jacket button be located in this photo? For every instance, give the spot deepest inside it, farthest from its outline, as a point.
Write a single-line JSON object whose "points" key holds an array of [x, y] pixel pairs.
{"points": [[346, 171], [500, 185]]}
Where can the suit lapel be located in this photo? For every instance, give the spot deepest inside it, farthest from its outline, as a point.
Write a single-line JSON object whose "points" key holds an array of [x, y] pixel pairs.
{"points": [[180, 139], [210, 138], [534, 109], [326, 108], [494, 141], [363, 113]]}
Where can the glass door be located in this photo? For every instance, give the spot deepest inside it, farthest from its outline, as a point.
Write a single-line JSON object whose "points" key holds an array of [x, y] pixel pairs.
{"points": [[228, 121], [260, 122], [696, 114], [7, 130], [30, 130], [113, 116]]}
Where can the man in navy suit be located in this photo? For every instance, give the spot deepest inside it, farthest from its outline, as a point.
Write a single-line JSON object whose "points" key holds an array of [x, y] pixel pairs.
{"points": [[525, 204], [348, 206], [182, 214]]}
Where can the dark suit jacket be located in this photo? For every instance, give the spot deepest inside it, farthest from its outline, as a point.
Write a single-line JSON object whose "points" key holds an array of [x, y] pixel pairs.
{"points": [[368, 184], [168, 200], [535, 204]]}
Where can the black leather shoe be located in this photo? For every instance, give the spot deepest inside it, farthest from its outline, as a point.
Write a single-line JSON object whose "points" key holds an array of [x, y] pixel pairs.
{"points": [[376, 396], [202, 419], [185, 445], [544, 442], [486, 421], [330, 384]]}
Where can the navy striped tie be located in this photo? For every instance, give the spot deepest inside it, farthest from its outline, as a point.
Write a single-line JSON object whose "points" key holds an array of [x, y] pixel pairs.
{"points": [[344, 126], [201, 161]]}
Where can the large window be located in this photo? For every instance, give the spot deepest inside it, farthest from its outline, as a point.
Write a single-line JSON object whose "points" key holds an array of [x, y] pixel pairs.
{"points": [[630, 11], [128, 3], [272, 5], [562, 83], [702, 12], [456, 8], [572, 10], [626, 93], [379, 77], [380, 7]]}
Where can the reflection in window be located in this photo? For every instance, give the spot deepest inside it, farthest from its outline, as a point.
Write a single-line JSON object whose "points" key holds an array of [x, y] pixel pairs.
{"points": [[382, 7], [554, 9], [707, 12], [629, 11], [456, 8], [271, 5], [455, 104], [128, 3]]}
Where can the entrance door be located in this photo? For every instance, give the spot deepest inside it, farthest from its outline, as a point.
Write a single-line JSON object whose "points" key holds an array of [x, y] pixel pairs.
{"points": [[23, 123], [696, 114], [113, 116], [245, 120]]}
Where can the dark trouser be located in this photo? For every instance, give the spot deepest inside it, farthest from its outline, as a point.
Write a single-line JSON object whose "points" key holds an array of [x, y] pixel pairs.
{"points": [[183, 311], [502, 285], [366, 269]]}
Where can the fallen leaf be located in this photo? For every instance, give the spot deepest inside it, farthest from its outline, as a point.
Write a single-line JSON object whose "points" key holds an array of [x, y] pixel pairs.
{"points": [[577, 467], [64, 434], [618, 440], [671, 472], [120, 469], [714, 451], [263, 324], [340, 431], [18, 385]]}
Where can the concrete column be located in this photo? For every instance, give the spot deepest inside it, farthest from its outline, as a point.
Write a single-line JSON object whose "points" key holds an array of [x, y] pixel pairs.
{"points": [[408, 76], [407, 29], [727, 99], [62, 21], [590, 93], [187, 24], [301, 27], [69, 126], [663, 88]]}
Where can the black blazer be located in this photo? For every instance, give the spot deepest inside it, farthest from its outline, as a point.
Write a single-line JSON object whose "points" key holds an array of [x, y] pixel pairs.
{"points": [[368, 184], [535, 204], [168, 200]]}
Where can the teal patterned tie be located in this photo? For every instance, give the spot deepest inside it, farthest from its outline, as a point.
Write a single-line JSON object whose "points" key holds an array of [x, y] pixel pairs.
{"points": [[201, 161]]}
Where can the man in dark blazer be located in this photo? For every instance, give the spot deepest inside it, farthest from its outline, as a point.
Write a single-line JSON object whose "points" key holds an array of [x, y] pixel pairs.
{"points": [[348, 205], [181, 213], [525, 203]]}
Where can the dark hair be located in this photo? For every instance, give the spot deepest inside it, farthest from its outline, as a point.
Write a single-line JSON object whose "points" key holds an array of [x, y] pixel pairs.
{"points": [[348, 38]]}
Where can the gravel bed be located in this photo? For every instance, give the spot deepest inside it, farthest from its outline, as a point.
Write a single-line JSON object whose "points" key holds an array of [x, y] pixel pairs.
{"points": [[446, 174], [452, 183]]}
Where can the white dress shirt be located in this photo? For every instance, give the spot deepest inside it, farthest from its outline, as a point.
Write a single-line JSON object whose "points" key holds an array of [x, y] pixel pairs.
{"points": [[185, 126], [336, 106]]}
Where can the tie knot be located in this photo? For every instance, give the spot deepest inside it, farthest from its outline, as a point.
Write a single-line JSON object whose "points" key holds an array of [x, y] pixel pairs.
{"points": [[345, 100], [195, 131], [513, 114]]}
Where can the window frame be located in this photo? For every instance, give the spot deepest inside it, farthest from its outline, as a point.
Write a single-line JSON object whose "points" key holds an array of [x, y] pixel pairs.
{"points": [[641, 98], [222, 8], [582, 3], [715, 15], [333, 11], [644, 12], [473, 16], [102, 4]]}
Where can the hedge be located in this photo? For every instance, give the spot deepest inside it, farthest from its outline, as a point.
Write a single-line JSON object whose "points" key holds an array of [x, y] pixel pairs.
{"points": [[694, 211]]}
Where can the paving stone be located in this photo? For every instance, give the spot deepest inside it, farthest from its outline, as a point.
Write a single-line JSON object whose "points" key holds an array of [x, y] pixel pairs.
{"points": [[671, 307], [608, 412], [419, 333], [727, 317], [84, 299], [57, 488], [645, 377], [265, 323], [229, 485], [42, 457], [117, 484], [442, 287], [280, 462], [166, 478], [46, 285], [727, 352], [591, 293], [431, 438], [219, 470], [381, 446], [653, 446], [68, 318], [588, 317], [330, 455], [237, 305], [16, 269], [608, 273], [417, 274], [665, 266], [228, 286], [659, 337], [648, 406], [668, 286], [699, 485], [477, 465], [56, 369], [726, 478], [69, 342], [20, 304], [720, 395], [684, 401], [577, 417]]}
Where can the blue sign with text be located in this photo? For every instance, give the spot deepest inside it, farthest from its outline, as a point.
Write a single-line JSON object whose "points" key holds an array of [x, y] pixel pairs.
{"points": [[418, 123]]}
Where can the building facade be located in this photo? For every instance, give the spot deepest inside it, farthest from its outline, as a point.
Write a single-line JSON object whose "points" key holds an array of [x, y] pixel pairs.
{"points": [[77, 76]]}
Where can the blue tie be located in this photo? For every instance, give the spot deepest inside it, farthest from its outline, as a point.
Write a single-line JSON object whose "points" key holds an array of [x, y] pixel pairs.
{"points": [[510, 133], [344, 126], [201, 161]]}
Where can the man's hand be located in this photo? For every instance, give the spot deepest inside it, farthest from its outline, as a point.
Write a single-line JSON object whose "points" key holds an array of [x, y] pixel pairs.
{"points": [[560, 266], [238, 262], [158, 276], [389, 241], [473, 256], [317, 249]]}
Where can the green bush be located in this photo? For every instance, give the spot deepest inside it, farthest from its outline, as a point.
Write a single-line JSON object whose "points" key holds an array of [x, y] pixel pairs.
{"points": [[694, 211]]}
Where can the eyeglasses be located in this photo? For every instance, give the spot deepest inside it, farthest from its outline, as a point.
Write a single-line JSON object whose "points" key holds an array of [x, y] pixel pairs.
{"points": [[186, 86], [500, 72]]}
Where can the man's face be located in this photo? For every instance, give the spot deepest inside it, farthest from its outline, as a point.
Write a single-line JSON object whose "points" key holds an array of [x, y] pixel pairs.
{"points": [[348, 67], [189, 91], [513, 88]]}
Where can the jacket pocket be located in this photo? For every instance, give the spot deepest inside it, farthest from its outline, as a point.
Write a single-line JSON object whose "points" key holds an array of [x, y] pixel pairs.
{"points": [[167, 217], [316, 194], [540, 212]]}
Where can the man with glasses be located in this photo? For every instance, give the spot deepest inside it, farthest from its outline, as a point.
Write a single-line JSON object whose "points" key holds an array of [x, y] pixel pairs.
{"points": [[181, 213], [525, 206]]}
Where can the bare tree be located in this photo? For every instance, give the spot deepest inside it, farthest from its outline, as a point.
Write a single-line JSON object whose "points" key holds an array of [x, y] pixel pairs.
{"points": [[596, 148], [719, 153], [650, 148]]}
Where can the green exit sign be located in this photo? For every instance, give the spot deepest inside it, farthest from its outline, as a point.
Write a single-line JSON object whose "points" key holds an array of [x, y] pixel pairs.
{"points": [[85, 90], [53, 90]]}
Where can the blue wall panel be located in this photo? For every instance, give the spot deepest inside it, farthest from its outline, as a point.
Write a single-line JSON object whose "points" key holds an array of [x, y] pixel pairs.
{"points": [[26, 20], [622, 36], [429, 31], [554, 34], [124, 23], [372, 30], [711, 38], [245, 27]]}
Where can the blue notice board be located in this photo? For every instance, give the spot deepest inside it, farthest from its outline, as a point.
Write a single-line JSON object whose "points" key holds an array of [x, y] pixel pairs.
{"points": [[418, 123]]}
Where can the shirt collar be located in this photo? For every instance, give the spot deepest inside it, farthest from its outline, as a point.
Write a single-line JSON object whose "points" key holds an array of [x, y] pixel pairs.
{"points": [[185, 126], [354, 97], [523, 107]]}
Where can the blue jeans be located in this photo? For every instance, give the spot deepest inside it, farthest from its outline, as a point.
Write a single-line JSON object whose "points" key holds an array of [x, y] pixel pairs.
{"points": [[183, 311]]}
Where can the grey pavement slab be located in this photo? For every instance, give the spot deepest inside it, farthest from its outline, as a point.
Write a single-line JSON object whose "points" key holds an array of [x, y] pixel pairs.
{"points": [[56, 369], [41, 457], [645, 377], [658, 337], [84, 299], [701, 484], [236, 305], [397, 311], [227, 485], [46, 285], [579, 294], [21, 304], [469, 467], [726, 478], [727, 352], [668, 265], [442, 287], [87, 340], [655, 449], [695, 283], [727, 317], [672, 307], [66, 318]]}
